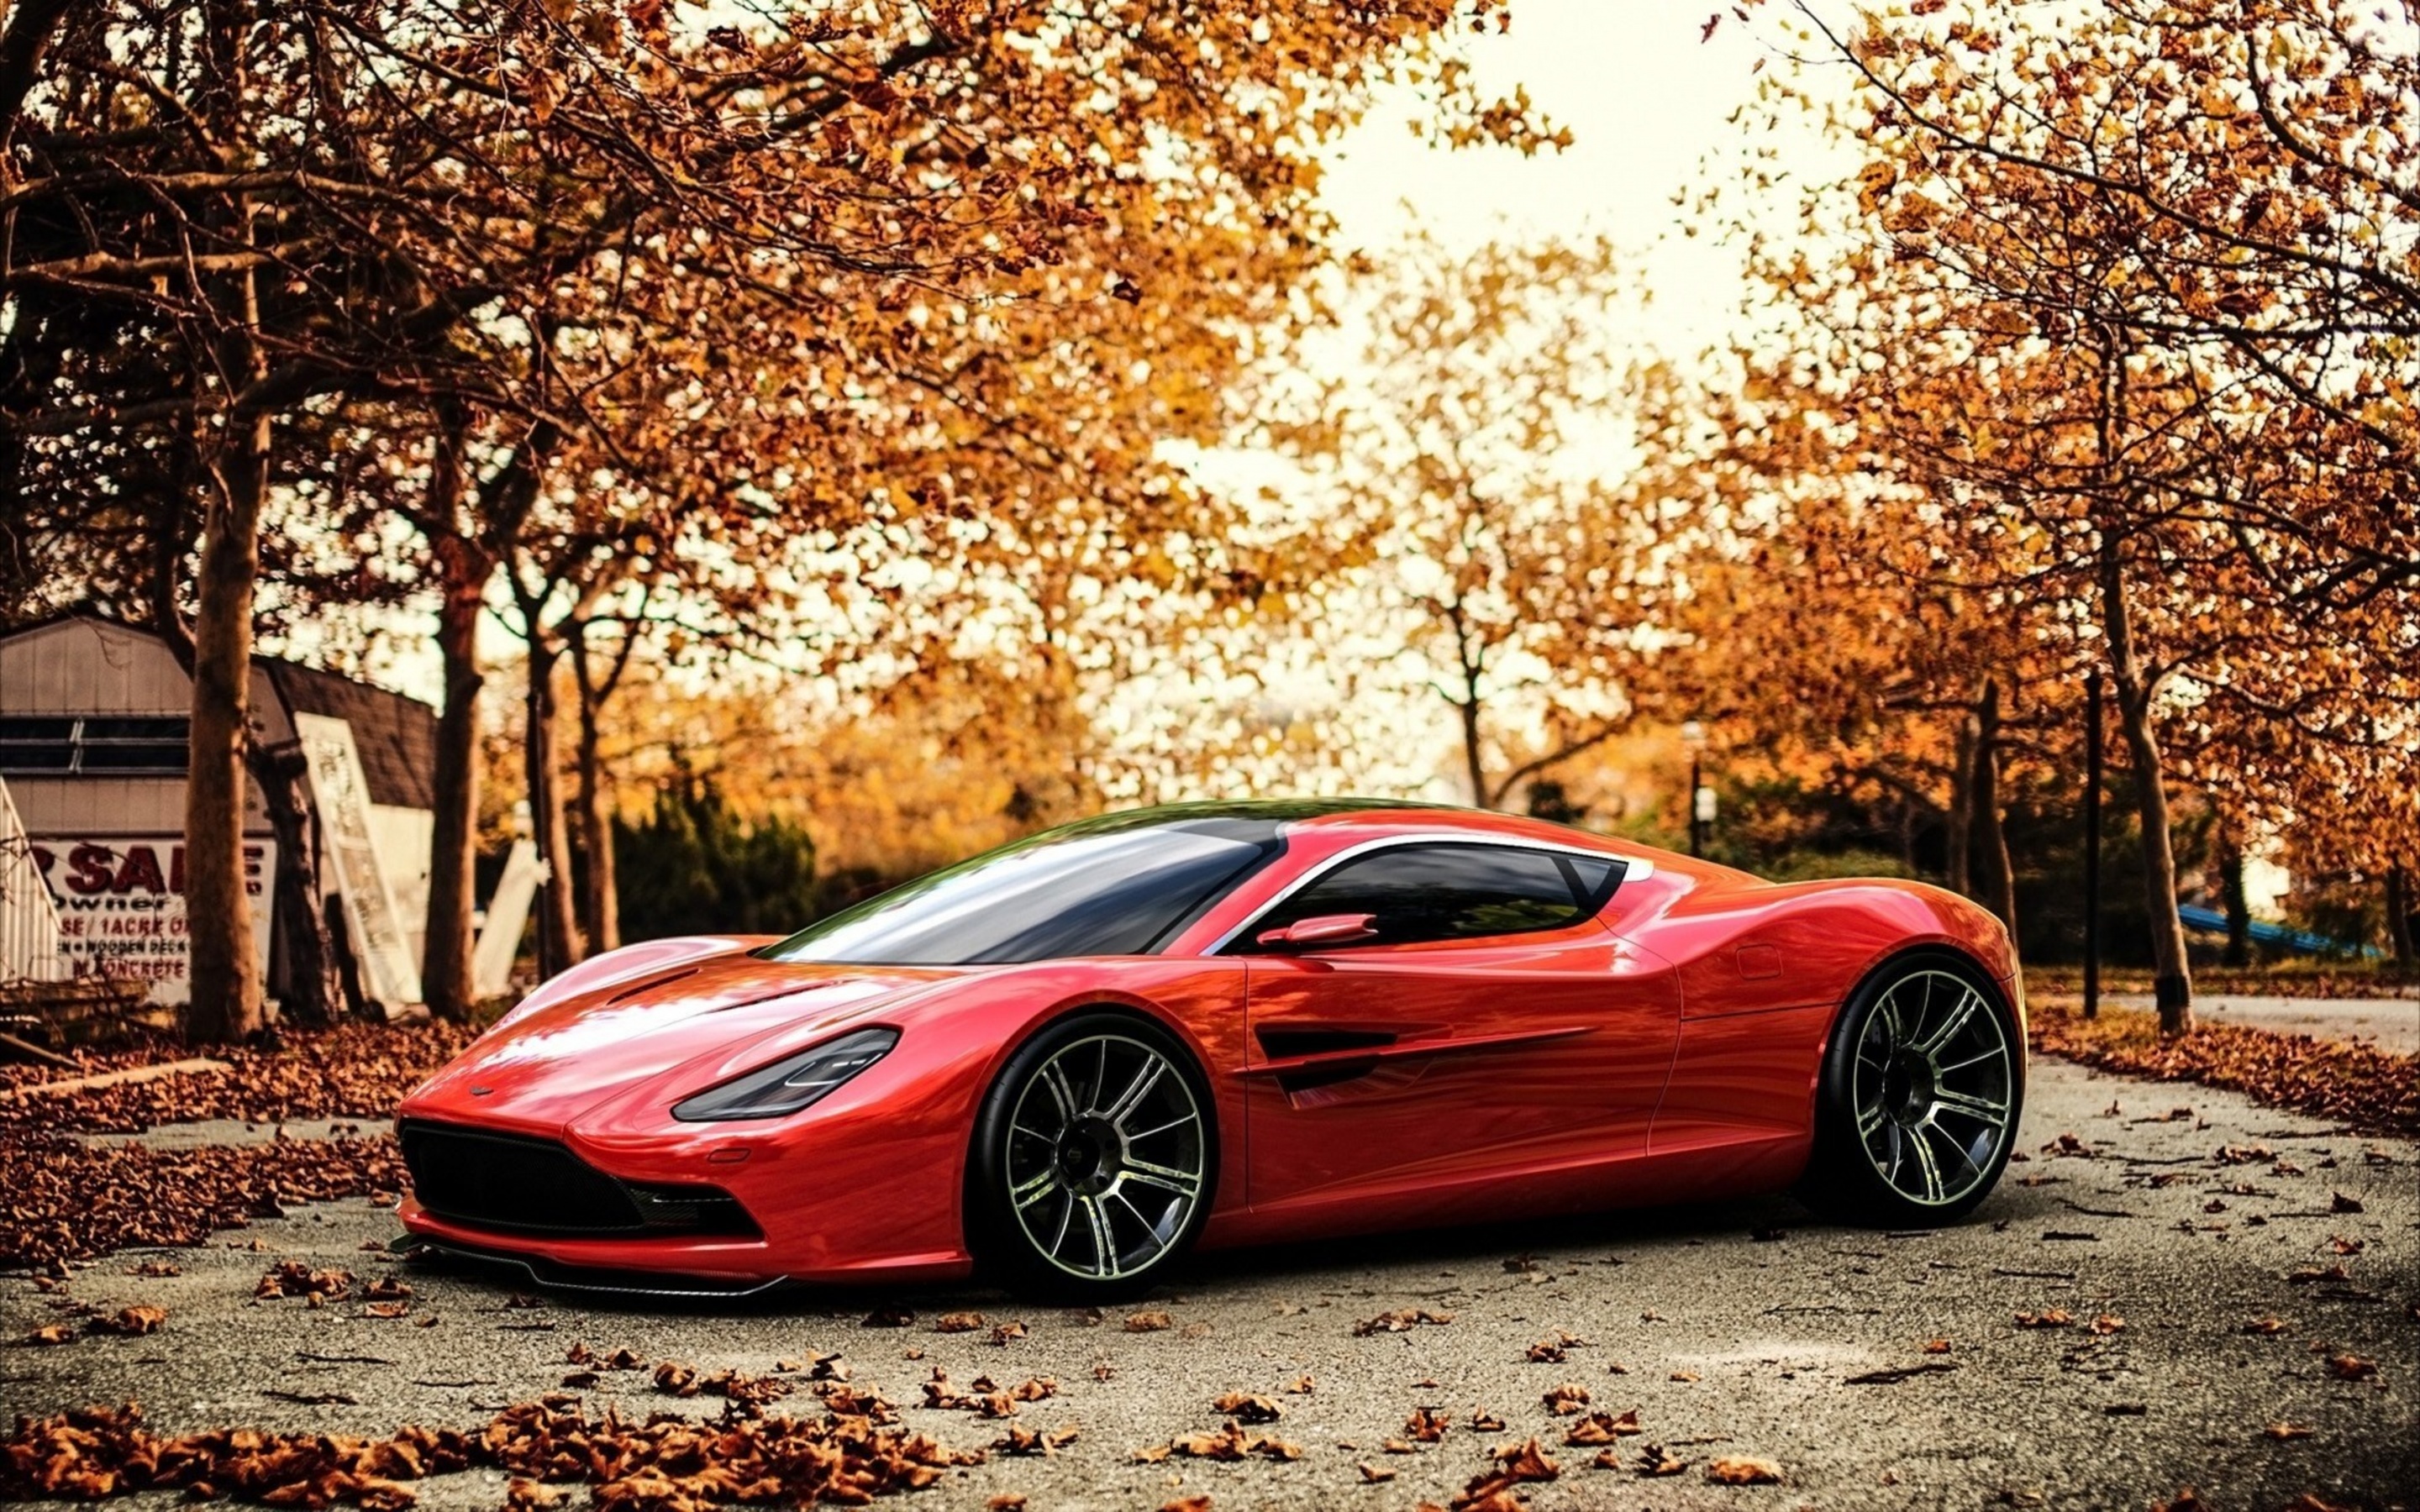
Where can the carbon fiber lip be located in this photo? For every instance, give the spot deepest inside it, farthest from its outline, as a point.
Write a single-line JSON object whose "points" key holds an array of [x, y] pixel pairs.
{"points": [[553, 1278]]}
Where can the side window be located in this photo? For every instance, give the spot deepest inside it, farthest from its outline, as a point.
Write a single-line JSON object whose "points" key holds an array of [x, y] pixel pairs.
{"points": [[1453, 892]]}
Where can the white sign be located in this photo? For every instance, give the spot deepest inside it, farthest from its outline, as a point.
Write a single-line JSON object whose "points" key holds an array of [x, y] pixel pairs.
{"points": [[390, 969], [500, 937], [122, 906]]}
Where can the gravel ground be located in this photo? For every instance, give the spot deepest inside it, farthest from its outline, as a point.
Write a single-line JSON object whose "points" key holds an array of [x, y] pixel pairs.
{"points": [[1732, 1330]]}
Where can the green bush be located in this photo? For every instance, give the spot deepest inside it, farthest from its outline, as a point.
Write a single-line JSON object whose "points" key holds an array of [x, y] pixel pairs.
{"points": [[693, 867]]}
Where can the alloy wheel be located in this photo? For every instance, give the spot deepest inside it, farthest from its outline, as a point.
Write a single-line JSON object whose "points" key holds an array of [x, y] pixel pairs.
{"points": [[1933, 1087], [1107, 1157]]}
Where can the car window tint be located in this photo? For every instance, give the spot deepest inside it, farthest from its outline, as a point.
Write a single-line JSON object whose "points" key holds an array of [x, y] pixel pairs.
{"points": [[1067, 894], [1440, 892]]}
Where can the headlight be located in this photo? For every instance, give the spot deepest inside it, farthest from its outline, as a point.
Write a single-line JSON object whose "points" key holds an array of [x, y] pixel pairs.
{"points": [[787, 1086]]}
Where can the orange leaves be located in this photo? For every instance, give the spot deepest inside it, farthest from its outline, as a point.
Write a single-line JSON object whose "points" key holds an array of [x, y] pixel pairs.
{"points": [[2352, 1083], [132, 1322], [1740, 1471], [1602, 1428], [1401, 1319]]}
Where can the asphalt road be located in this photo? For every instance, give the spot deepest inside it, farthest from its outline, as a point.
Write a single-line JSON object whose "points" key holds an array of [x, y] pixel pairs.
{"points": [[1734, 1329]]}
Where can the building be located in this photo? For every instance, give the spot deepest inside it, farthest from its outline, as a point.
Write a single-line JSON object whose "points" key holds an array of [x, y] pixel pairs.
{"points": [[94, 716]]}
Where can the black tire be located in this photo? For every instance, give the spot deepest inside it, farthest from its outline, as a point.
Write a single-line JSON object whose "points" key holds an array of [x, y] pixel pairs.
{"points": [[1094, 1160], [1922, 1089]]}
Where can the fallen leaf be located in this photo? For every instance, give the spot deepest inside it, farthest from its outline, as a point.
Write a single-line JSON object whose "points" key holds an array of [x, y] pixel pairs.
{"points": [[132, 1321], [1426, 1425], [1603, 1428], [1401, 1320], [1734, 1471], [1246, 1408]]}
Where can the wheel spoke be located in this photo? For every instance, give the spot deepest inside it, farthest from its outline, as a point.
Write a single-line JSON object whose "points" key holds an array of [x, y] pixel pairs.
{"points": [[1886, 1015], [1159, 1240], [1954, 1024], [1165, 1178], [1188, 1116], [1970, 1104], [1067, 1221], [1056, 1080], [1104, 1246], [1027, 1193], [1136, 1091], [1927, 1166], [1995, 1052]]}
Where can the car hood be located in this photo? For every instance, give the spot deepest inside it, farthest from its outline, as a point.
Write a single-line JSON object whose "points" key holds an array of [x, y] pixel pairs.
{"points": [[542, 1068]]}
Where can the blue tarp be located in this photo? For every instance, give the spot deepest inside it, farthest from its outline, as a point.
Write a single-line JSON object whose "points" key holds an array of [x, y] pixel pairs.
{"points": [[2210, 921]]}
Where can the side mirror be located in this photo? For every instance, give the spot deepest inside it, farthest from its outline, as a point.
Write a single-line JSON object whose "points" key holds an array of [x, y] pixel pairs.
{"points": [[1323, 929]]}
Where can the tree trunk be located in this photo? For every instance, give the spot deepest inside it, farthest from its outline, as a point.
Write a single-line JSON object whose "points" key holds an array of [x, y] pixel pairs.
{"points": [[2172, 980], [2239, 909], [558, 934], [600, 896], [2399, 914], [1994, 876], [314, 992], [225, 1003], [463, 569], [1957, 865]]}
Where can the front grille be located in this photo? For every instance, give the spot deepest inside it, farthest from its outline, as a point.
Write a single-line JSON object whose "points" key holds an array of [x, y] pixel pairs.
{"points": [[517, 1183]]}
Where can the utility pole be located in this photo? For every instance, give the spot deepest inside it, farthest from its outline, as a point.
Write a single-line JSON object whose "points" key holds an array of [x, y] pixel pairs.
{"points": [[1693, 735], [2092, 844]]}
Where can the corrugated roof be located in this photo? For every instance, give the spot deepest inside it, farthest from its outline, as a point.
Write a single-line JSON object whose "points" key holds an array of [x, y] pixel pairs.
{"points": [[397, 736]]}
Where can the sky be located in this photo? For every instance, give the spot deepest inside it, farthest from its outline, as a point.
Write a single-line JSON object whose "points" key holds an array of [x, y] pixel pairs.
{"points": [[1646, 101]]}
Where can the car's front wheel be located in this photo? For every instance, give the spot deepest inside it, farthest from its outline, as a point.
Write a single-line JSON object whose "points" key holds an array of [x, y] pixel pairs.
{"points": [[1922, 1085], [1095, 1158]]}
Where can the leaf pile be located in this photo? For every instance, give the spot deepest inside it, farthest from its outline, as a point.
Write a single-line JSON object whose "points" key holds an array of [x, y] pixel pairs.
{"points": [[665, 1464], [358, 1071], [2356, 1084], [63, 1200]]}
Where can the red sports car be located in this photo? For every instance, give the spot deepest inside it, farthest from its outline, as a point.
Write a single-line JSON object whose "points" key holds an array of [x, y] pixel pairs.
{"points": [[1071, 1059]]}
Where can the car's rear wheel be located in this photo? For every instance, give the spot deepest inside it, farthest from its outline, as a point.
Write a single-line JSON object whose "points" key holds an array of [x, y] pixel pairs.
{"points": [[1094, 1159], [1922, 1087]]}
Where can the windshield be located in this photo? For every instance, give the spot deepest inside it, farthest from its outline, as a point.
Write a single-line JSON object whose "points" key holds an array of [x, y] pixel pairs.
{"points": [[1093, 888]]}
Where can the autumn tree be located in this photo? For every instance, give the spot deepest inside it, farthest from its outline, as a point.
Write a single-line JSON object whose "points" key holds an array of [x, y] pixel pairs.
{"points": [[1466, 463], [466, 209], [2119, 295]]}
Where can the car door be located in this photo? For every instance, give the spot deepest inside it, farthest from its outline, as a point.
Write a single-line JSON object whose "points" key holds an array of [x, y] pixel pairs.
{"points": [[1491, 1028]]}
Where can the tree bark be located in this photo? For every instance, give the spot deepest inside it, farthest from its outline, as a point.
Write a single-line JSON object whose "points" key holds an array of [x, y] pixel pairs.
{"points": [[313, 992], [2172, 980], [2231, 895], [1958, 864], [463, 569], [600, 902], [558, 933], [224, 1001], [225, 997], [1994, 876], [2399, 914]]}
